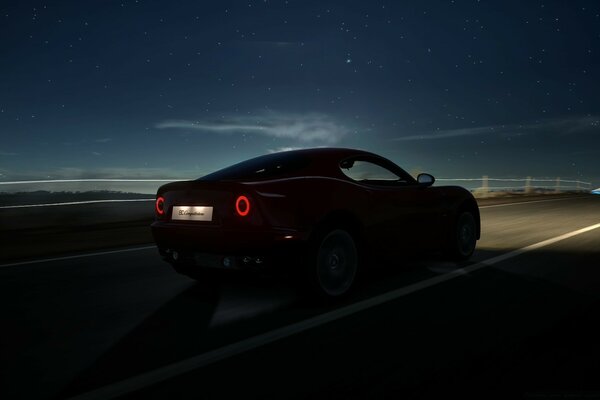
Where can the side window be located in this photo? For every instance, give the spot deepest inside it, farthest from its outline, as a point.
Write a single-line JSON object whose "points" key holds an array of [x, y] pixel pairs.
{"points": [[368, 172]]}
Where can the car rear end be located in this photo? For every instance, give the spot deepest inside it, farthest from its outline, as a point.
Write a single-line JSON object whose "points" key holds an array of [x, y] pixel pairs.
{"points": [[226, 225]]}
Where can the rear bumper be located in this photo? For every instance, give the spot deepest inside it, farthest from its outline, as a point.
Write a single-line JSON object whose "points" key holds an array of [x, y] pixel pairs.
{"points": [[210, 246]]}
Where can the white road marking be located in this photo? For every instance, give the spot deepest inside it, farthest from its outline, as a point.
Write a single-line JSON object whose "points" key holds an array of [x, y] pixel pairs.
{"points": [[535, 246], [150, 247], [70, 203], [100, 253], [170, 371], [529, 202]]}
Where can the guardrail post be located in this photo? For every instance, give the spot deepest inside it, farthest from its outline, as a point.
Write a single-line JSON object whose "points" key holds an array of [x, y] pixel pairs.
{"points": [[528, 185], [578, 187], [484, 190], [557, 189]]}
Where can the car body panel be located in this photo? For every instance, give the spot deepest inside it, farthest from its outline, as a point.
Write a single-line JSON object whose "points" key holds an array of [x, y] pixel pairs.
{"points": [[288, 209]]}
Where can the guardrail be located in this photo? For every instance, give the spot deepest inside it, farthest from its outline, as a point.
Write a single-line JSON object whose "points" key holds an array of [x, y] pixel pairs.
{"points": [[489, 186], [70, 192], [115, 189], [146, 186]]}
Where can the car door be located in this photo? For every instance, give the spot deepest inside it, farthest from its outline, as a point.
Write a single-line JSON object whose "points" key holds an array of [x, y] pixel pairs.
{"points": [[402, 215], [418, 224]]}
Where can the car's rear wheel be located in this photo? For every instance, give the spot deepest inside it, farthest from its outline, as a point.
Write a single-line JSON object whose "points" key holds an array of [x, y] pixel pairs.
{"points": [[463, 237], [335, 264]]}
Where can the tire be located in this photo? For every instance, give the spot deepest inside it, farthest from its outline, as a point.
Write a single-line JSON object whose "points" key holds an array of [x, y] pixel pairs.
{"points": [[334, 264], [463, 237]]}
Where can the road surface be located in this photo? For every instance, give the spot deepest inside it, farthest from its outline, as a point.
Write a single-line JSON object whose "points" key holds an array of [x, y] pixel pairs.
{"points": [[519, 320]]}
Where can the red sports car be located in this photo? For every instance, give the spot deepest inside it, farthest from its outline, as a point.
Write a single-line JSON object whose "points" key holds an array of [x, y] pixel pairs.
{"points": [[325, 210]]}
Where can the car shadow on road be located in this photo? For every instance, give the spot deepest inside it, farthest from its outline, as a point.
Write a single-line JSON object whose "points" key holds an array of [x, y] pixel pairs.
{"points": [[212, 314], [205, 316], [516, 330]]}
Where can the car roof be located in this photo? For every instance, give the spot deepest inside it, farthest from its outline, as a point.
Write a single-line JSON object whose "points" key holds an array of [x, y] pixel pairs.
{"points": [[319, 161], [328, 152], [323, 160]]}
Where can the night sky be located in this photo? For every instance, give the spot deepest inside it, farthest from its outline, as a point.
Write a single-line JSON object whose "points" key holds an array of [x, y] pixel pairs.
{"points": [[150, 89]]}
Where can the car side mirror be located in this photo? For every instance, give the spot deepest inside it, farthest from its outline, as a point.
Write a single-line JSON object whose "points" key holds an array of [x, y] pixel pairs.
{"points": [[425, 180]]}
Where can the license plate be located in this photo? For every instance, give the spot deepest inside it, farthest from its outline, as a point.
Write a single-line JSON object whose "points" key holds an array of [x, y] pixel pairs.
{"points": [[192, 213]]}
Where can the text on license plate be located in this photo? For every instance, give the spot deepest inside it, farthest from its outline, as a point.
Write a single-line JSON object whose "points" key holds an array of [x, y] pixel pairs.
{"points": [[192, 213]]}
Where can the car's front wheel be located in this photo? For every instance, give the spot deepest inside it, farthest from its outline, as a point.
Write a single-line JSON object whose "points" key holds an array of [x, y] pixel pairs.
{"points": [[335, 266], [463, 237]]}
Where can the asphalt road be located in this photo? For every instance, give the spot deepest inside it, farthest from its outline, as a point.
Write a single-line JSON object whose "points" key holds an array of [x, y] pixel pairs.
{"points": [[513, 322]]}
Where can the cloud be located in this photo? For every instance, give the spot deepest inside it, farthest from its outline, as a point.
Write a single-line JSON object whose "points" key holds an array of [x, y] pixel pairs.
{"points": [[290, 148], [8, 153], [96, 153], [559, 126], [450, 133], [280, 149], [103, 140], [310, 127]]}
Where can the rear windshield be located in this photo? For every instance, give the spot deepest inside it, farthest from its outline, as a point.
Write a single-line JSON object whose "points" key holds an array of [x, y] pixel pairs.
{"points": [[261, 168]]}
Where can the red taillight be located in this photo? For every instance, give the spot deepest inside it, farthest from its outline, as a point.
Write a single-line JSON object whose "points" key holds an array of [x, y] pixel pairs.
{"points": [[242, 206], [160, 204]]}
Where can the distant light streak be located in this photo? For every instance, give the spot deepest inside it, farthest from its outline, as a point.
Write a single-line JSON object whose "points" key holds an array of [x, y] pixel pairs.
{"points": [[85, 180], [511, 180], [70, 203]]}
